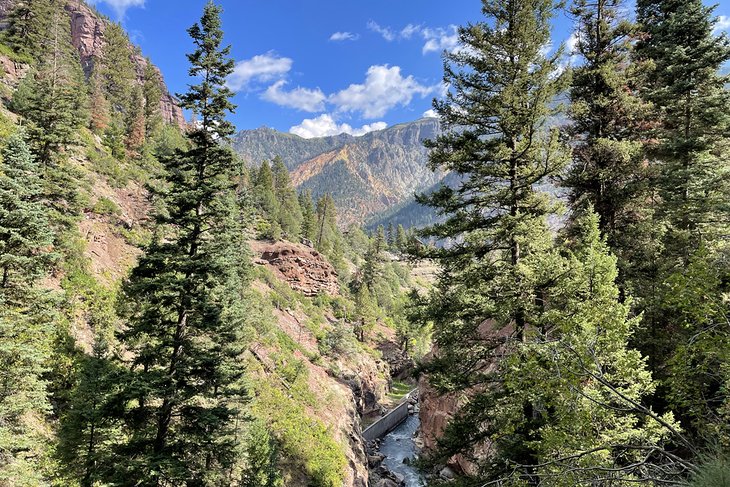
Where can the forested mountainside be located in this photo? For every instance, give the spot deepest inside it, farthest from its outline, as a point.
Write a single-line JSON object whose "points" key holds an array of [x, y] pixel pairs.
{"points": [[366, 176], [173, 314], [134, 349]]}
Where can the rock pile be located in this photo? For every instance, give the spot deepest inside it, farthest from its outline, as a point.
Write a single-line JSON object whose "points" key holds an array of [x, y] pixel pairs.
{"points": [[303, 268]]}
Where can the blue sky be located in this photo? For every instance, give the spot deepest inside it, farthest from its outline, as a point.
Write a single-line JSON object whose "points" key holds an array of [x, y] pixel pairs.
{"points": [[318, 68]]}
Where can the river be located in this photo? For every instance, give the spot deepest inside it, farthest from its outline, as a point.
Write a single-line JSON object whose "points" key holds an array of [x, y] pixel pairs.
{"points": [[399, 445]]}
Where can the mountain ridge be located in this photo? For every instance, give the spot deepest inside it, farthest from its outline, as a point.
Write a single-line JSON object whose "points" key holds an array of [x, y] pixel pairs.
{"points": [[366, 175]]}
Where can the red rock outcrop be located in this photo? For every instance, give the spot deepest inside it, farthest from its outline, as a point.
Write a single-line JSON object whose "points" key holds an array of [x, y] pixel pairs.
{"points": [[87, 35], [436, 409], [302, 267]]}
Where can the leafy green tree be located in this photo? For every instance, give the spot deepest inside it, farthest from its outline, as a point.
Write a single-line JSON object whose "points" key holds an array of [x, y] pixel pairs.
{"points": [[589, 423], [186, 302], [494, 282]]}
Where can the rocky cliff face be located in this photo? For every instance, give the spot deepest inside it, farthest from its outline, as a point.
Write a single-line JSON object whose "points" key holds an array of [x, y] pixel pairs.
{"points": [[87, 32], [302, 267], [366, 175]]}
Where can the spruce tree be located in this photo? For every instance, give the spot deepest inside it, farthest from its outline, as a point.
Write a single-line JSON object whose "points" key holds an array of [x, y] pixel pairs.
{"points": [[152, 92], [185, 301], [682, 60], [290, 214], [98, 104], [608, 116], [29, 27], [117, 70], [25, 235], [25, 316], [309, 215]]}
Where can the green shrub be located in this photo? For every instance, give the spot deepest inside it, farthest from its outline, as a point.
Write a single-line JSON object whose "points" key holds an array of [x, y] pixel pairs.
{"points": [[105, 206]]}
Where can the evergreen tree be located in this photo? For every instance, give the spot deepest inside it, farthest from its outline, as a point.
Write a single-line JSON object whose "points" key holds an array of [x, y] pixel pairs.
{"points": [[680, 299], [117, 69], [401, 239], [496, 139], [29, 26], [590, 424], [390, 236], [309, 215], [608, 170], [25, 316], [52, 98], [327, 232], [381, 242], [136, 123], [290, 214], [185, 301], [266, 202], [90, 424], [98, 104], [262, 457], [25, 235], [682, 59], [152, 92]]}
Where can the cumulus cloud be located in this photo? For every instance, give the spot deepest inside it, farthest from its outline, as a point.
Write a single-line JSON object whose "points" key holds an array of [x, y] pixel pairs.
{"points": [[260, 69], [723, 24], [430, 113], [304, 99], [386, 32], [384, 88], [325, 125], [344, 36], [120, 6], [440, 39]]}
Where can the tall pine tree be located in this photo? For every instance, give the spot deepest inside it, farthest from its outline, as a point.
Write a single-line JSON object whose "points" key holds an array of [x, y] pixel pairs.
{"points": [[185, 301]]}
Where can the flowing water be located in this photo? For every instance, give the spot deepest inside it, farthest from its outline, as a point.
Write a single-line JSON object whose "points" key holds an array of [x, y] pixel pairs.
{"points": [[399, 445]]}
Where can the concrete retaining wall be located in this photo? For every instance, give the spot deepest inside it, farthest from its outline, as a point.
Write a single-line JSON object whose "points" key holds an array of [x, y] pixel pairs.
{"points": [[389, 422]]}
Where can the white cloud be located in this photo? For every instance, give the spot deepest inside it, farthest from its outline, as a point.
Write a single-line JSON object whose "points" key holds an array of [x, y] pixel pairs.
{"points": [[120, 6], [436, 39], [409, 30], [723, 24], [386, 32], [344, 36], [261, 68], [384, 88], [440, 39], [300, 98], [430, 113], [325, 125]]}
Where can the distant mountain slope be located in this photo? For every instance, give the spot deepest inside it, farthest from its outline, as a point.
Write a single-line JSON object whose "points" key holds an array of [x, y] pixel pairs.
{"points": [[368, 176]]}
